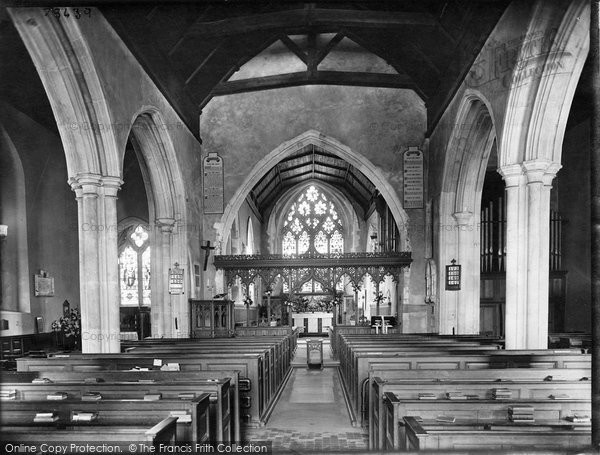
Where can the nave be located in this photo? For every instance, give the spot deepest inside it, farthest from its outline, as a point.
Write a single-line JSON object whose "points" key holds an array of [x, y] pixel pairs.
{"points": [[363, 392]]}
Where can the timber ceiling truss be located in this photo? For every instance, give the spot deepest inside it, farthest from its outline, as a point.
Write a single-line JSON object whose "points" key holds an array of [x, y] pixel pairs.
{"points": [[327, 269]]}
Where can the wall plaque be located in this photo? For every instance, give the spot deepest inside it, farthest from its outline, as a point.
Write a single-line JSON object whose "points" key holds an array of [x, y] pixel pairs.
{"points": [[213, 189], [176, 280], [413, 178], [43, 285]]}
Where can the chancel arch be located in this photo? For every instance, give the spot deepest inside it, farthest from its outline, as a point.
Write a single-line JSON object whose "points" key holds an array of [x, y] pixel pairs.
{"points": [[331, 146]]}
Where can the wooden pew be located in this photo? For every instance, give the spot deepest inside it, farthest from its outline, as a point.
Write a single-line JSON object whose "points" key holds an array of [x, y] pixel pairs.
{"points": [[220, 418], [194, 427], [483, 389], [377, 406], [477, 411], [164, 432], [276, 363], [434, 436], [136, 376], [456, 360], [250, 366]]}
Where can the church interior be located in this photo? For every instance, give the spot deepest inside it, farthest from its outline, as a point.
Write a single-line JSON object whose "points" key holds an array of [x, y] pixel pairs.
{"points": [[300, 227]]}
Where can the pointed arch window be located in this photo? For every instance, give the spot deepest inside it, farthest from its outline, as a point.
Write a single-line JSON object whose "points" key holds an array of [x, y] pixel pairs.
{"points": [[312, 224], [134, 267]]}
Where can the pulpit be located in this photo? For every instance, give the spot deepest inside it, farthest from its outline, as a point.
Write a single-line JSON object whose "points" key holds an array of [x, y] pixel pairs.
{"points": [[211, 318]]}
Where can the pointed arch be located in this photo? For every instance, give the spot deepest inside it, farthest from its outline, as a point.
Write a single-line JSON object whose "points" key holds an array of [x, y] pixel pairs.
{"points": [[330, 145], [63, 60], [167, 208]]}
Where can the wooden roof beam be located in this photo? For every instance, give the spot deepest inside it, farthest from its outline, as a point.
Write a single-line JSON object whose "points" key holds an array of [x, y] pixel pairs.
{"points": [[312, 17], [292, 46], [357, 79]]}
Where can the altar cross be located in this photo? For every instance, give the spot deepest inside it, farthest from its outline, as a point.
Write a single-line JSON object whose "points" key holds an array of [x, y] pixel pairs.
{"points": [[206, 249]]}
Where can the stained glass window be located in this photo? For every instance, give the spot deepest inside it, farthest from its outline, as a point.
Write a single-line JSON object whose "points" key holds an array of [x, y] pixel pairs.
{"points": [[134, 268], [312, 224]]}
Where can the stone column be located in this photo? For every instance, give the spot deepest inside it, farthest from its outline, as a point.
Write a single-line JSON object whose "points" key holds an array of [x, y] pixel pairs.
{"points": [[516, 256], [539, 177], [161, 310], [98, 261], [467, 318]]}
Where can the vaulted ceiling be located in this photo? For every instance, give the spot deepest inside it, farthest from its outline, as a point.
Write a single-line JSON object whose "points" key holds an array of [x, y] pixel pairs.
{"points": [[193, 50]]}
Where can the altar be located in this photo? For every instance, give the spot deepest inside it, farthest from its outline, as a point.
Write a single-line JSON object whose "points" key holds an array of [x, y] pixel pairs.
{"points": [[313, 322]]}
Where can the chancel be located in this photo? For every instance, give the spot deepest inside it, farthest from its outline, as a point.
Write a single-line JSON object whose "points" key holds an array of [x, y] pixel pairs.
{"points": [[323, 227]]}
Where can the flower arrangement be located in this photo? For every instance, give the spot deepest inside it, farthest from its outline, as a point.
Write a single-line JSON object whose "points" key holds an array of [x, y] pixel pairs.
{"points": [[247, 300], [67, 329], [304, 305], [69, 324]]}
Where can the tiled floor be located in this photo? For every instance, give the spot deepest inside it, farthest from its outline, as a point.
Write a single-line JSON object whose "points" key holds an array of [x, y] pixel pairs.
{"points": [[311, 414]]}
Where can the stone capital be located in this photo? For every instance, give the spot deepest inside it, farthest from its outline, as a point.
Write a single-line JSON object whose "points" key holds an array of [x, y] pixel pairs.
{"points": [[463, 218], [536, 169], [87, 185], [551, 172], [111, 185], [165, 225], [512, 174]]}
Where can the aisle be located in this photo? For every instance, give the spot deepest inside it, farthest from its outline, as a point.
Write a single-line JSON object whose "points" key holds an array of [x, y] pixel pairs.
{"points": [[311, 414]]}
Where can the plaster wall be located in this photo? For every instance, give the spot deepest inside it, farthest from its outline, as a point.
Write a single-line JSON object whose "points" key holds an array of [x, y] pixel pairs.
{"points": [[377, 123], [51, 212]]}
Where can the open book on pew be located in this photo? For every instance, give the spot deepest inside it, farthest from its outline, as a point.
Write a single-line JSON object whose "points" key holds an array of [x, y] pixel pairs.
{"points": [[8, 394], [445, 419], [45, 417], [136, 368], [456, 396], [41, 381], [79, 416], [560, 396], [91, 396], [427, 396], [578, 418], [57, 396], [153, 396], [187, 395], [182, 416]]}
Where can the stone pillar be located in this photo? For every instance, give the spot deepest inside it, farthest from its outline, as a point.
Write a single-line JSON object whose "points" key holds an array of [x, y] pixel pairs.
{"points": [[516, 256], [98, 261], [161, 309], [467, 318], [527, 252], [540, 174]]}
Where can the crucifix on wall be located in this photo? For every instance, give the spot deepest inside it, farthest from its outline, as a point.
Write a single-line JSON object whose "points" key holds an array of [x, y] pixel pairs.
{"points": [[206, 249]]}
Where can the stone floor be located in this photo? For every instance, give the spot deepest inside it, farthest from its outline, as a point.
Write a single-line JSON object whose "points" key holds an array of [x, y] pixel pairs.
{"points": [[311, 414]]}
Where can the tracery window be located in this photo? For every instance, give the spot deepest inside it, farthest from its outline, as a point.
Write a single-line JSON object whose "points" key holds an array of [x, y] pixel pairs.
{"points": [[312, 224], [134, 268]]}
